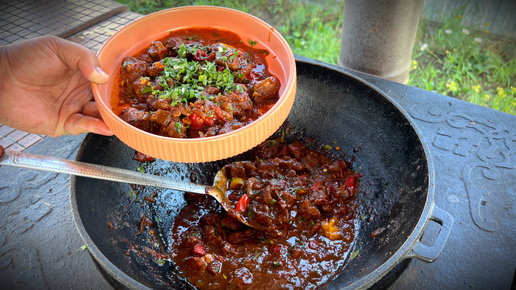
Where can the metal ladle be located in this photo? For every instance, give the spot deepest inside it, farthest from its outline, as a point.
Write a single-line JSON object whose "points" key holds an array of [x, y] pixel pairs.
{"points": [[58, 165]]}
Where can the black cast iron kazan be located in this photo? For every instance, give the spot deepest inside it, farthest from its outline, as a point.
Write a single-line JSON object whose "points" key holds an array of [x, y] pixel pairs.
{"points": [[396, 188]]}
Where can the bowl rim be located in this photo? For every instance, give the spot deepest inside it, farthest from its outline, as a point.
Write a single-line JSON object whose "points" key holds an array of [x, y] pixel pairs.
{"points": [[291, 81]]}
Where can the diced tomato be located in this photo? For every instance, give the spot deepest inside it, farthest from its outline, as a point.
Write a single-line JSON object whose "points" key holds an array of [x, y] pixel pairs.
{"points": [[199, 249], [265, 108], [317, 185], [197, 122], [276, 249], [351, 183], [242, 203], [210, 118], [313, 244]]}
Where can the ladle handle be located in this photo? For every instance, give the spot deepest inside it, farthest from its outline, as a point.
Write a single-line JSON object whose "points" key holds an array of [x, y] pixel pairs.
{"points": [[46, 163]]}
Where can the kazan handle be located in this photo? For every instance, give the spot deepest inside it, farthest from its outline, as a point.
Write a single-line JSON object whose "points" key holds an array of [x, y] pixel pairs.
{"points": [[430, 253]]}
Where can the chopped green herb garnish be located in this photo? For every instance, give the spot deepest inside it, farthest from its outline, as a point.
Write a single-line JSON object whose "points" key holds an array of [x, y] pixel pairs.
{"points": [[178, 127], [354, 255], [252, 42], [190, 79]]}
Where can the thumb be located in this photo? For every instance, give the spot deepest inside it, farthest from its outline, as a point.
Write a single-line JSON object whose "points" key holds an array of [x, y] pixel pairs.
{"points": [[97, 76], [78, 57]]}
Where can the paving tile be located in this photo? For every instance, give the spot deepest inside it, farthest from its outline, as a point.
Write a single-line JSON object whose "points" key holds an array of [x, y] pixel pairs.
{"points": [[15, 147], [53, 17], [4, 130], [17, 135], [5, 142], [29, 140]]}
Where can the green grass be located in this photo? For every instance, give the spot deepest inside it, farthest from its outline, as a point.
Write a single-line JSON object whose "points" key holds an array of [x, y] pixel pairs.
{"points": [[471, 65], [448, 58]]}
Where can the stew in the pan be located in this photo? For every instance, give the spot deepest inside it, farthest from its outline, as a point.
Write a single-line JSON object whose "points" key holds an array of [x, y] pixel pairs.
{"points": [[305, 198], [196, 82]]}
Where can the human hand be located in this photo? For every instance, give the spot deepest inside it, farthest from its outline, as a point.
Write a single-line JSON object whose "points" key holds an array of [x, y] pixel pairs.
{"points": [[45, 87]]}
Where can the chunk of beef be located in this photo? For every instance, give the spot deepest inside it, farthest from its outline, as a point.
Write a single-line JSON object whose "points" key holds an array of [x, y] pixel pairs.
{"points": [[339, 167], [175, 129], [156, 68], [211, 218], [231, 223], [141, 88], [290, 163], [161, 117], [266, 90], [264, 197], [241, 103], [214, 267], [267, 150], [320, 197], [158, 103], [242, 278], [174, 42], [261, 213], [139, 156], [306, 209], [296, 252], [238, 237], [235, 170], [226, 248], [211, 90], [137, 118], [296, 150], [267, 165], [288, 199], [229, 127], [191, 240], [132, 69], [157, 50], [209, 233], [253, 183], [196, 263]]}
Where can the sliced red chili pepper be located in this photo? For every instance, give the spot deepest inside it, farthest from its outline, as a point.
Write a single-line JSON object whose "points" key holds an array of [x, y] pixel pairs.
{"points": [[242, 203], [199, 249], [313, 244], [197, 122]]}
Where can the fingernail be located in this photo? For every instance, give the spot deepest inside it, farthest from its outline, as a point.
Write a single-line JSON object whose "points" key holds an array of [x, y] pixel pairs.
{"points": [[102, 75], [100, 71]]}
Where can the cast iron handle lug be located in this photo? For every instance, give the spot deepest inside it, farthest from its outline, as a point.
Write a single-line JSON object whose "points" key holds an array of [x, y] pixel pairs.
{"points": [[430, 253]]}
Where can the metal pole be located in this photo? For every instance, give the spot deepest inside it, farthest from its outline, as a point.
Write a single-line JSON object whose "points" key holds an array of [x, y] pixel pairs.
{"points": [[378, 36]]}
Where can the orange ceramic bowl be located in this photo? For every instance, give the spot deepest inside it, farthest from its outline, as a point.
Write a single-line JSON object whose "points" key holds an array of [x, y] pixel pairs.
{"points": [[139, 34]]}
